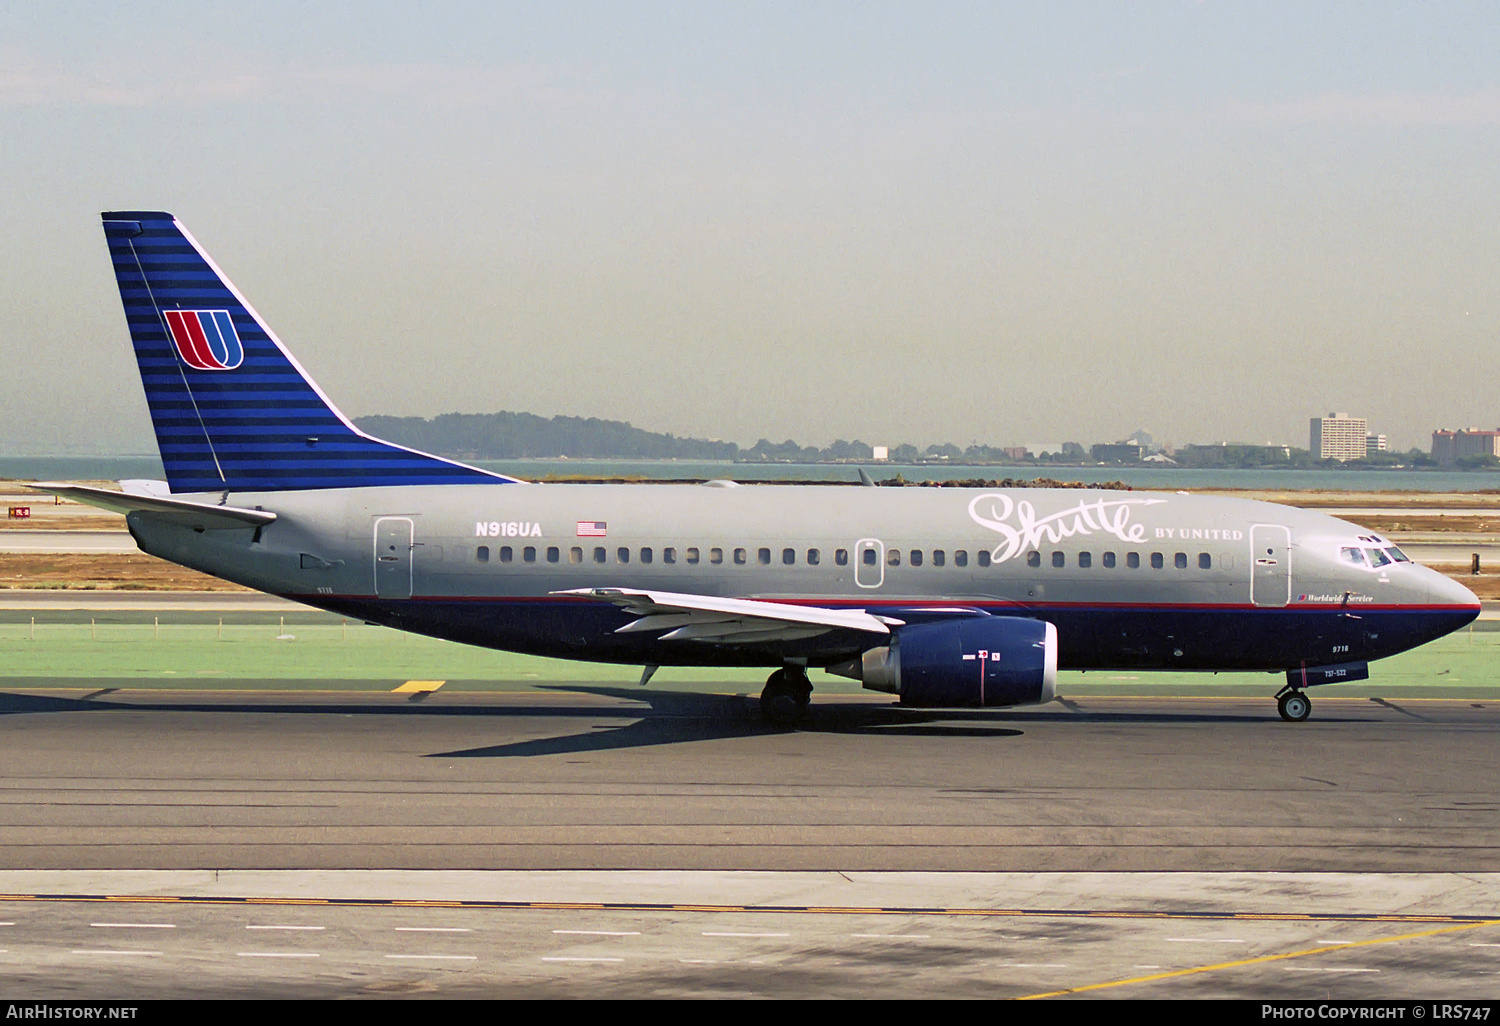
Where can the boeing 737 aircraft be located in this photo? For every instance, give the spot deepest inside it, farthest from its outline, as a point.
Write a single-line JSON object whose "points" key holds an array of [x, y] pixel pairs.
{"points": [[940, 596]]}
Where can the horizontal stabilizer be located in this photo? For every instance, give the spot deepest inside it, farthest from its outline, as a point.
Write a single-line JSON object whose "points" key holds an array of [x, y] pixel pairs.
{"points": [[180, 511]]}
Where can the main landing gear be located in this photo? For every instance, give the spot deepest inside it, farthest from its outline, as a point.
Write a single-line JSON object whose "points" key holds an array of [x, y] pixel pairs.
{"points": [[1293, 705], [787, 694]]}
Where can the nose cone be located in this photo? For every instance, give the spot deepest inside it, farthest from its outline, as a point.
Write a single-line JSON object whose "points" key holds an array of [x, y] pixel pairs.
{"points": [[1459, 605], [1448, 592]]}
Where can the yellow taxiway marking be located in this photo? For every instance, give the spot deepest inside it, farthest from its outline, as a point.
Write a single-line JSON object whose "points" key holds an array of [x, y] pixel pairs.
{"points": [[414, 686], [1255, 961]]}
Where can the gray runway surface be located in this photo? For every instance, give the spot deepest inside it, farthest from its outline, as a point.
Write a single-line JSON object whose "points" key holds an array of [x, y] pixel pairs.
{"points": [[625, 778], [702, 854], [1101, 935]]}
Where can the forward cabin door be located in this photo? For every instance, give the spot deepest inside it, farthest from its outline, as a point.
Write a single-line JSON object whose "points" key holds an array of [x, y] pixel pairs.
{"points": [[393, 543], [1270, 565]]}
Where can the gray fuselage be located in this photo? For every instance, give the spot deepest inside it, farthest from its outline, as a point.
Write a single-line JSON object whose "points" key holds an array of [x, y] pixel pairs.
{"points": [[1131, 579]]}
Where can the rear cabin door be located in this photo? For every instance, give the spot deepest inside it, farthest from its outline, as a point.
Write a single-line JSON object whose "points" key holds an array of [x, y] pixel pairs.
{"points": [[1270, 565], [393, 543]]}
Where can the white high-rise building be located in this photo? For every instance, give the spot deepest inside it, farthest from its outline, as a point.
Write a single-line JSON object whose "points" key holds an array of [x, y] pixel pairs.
{"points": [[1338, 436]]}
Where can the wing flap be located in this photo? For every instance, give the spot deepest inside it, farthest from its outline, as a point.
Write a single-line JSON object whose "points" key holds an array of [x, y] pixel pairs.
{"points": [[709, 618]]}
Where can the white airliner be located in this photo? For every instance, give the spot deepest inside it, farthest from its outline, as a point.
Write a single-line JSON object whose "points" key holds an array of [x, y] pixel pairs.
{"points": [[941, 596]]}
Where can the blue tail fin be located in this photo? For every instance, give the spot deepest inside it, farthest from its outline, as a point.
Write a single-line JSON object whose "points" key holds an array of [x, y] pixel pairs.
{"points": [[233, 411]]}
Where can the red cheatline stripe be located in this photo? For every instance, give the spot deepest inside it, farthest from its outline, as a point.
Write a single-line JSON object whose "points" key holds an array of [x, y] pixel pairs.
{"points": [[1002, 607]]}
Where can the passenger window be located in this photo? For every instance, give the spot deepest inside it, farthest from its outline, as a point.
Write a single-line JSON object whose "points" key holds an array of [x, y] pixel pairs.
{"points": [[1180, 561], [716, 556], [646, 555], [1157, 562], [529, 553], [1108, 559], [841, 557], [1377, 558], [553, 554], [1058, 559], [482, 553], [763, 557], [1085, 560], [1033, 559], [1204, 562], [916, 557], [870, 557], [575, 555], [939, 557], [669, 555], [739, 557], [1133, 560], [600, 555], [622, 554], [813, 556], [982, 557], [892, 557], [505, 554], [961, 557], [788, 557], [692, 555]]}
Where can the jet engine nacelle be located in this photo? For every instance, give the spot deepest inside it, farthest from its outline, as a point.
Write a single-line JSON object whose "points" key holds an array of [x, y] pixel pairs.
{"points": [[976, 661]]}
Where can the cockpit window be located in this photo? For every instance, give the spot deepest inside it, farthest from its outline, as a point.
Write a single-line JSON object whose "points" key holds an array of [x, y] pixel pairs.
{"points": [[1355, 556], [1377, 558], [1397, 555]]}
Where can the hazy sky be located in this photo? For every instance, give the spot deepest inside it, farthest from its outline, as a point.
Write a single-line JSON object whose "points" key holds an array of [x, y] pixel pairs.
{"points": [[924, 222]]}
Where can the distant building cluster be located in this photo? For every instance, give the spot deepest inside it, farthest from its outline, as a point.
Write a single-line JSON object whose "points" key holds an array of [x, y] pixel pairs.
{"points": [[1448, 447]]}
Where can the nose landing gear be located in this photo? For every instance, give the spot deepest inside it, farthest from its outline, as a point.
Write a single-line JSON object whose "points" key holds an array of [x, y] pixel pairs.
{"points": [[786, 697], [1293, 705]]}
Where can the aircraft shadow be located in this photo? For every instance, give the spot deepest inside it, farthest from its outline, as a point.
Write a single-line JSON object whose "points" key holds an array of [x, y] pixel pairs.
{"points": [[671, 717], [677, 717]]}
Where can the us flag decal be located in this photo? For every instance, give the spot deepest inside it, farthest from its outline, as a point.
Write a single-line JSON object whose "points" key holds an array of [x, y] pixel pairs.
{"points": [[592, 529]]}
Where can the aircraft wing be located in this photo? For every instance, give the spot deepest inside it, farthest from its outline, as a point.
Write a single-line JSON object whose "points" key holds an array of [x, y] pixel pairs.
{"points": [[716, 620], [181, 511]]}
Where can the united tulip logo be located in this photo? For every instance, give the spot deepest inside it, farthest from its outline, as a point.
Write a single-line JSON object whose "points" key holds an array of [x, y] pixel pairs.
{"points": [[206, 339]]}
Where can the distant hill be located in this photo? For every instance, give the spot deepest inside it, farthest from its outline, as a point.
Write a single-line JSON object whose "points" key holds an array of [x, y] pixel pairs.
{"points": [[501, 436], [504, 436]]}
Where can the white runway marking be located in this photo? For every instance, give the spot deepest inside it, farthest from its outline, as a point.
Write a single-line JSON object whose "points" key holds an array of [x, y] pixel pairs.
{"points": [[286, 927], [562, 958], [278, 954], [433, 929], [464, 958], [725, 933], [135, 926], [892, 936], [603, 933], [1312, 969]]}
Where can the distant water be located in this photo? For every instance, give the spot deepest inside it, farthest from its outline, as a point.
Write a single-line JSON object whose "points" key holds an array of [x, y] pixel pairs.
{"points": [[113, 468], [1165, 478]]}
